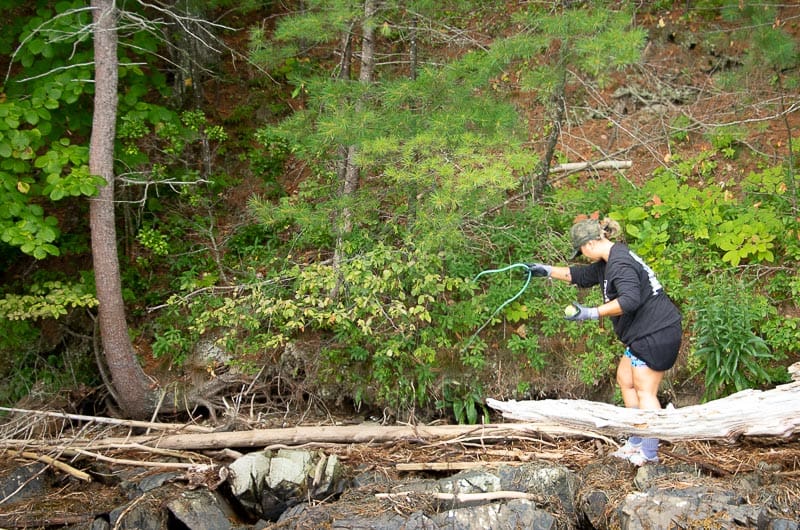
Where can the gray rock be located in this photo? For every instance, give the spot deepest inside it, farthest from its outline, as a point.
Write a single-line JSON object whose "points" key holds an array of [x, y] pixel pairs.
{"points": [[25, 482], [691, 507], [593, 508], [247, 477], [152, 482], [516, 513], [556, 485], [201, 510], [289, 467], [391, 521], [781, 524], [100, 524], [267, 483], [143, 513]]}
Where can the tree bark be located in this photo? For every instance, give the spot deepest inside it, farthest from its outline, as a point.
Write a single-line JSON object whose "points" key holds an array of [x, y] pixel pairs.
{"points": [[345, 434], [349, 170], [128, 378], [558, 104]]}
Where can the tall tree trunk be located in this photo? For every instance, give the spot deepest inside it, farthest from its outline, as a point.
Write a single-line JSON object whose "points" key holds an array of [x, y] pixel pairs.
{"points": [[130, 383], [365, 76], [349, 168], [557, 110]]}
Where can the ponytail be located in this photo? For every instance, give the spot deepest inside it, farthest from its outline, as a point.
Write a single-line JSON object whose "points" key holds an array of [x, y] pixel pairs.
{"points": [[611, 228]]}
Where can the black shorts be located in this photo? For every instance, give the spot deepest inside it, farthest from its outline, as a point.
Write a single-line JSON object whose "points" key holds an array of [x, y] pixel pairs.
{"points": [[660, 349]]}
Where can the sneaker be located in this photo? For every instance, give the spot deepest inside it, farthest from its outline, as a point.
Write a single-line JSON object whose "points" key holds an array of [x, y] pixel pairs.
{"points": [[639, 459], [627, 451]]}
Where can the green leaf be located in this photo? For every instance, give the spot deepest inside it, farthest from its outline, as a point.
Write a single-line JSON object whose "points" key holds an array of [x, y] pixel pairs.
{"points": [[31, 116], [35, 45], [57, 194]]}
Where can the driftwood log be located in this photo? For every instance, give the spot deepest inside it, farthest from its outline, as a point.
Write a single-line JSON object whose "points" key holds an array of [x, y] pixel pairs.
{"points": [[365, 433], [749, 413]]}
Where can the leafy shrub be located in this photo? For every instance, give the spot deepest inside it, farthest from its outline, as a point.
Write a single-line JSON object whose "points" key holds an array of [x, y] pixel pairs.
{"points": [[730, 352], [670, 212], [465, 400], [25, 369], [48, 299], [386, 332]]}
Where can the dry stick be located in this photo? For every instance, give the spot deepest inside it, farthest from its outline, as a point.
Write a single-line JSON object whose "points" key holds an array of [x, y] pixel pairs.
{"points": [[143, 463], [461, 497], [451, 466], [113, 421], [158, 407], [127, 510], [6, 521], [66, 468], [155, 450], [604, 164]]}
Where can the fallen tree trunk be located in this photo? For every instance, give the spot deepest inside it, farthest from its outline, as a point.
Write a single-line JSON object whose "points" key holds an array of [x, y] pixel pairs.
{"points": [[753, 413], [348, 434]]}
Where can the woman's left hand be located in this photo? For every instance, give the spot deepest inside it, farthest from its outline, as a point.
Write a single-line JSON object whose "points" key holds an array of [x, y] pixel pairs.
{"points": [[584, 313]]}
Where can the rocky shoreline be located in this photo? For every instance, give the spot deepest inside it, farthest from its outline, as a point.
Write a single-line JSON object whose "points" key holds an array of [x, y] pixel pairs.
{"points": [[312, 489]]}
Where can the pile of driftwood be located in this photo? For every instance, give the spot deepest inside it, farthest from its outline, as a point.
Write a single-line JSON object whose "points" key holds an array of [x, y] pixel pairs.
{"points": [[755, 414]]}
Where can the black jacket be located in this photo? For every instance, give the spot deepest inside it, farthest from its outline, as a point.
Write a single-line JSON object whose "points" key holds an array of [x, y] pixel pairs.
{"points": [[646, 309]]}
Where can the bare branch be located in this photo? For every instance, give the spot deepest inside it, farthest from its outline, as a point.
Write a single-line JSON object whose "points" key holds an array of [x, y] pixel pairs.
{"points": [[87, 30]]}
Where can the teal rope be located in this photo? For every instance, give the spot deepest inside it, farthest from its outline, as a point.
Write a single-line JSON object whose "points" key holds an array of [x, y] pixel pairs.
{"points": [[504, 304]]}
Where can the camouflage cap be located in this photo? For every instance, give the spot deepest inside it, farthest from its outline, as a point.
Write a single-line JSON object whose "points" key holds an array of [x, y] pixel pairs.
{"points": [[582, 232]]}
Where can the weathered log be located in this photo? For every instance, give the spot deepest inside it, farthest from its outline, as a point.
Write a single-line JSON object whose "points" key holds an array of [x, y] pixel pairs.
{"points": [[749, 413], [348, 434]]}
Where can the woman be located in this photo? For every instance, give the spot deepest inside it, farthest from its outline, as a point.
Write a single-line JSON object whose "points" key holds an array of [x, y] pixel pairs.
{"points": [[645, 319]]}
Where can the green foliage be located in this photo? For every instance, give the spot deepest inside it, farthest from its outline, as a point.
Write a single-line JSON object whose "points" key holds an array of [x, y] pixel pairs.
{"points": [[679, 129], [173, 344], [386, 342], [770, 46], [26, 370], [50, 299], [37, 157], [729, 351], [669, 215], [592, 40], [153, 240], [528, 347], [724, 139], [465, 400], [24, 367]]}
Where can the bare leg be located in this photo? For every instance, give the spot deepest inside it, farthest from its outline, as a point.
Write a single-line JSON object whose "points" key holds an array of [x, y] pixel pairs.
{"points": [[645, 383], [625, 380]]}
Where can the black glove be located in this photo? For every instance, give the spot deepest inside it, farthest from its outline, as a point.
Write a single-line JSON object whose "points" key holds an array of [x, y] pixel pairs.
{"points": [[583, 313], [538, 270]]}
